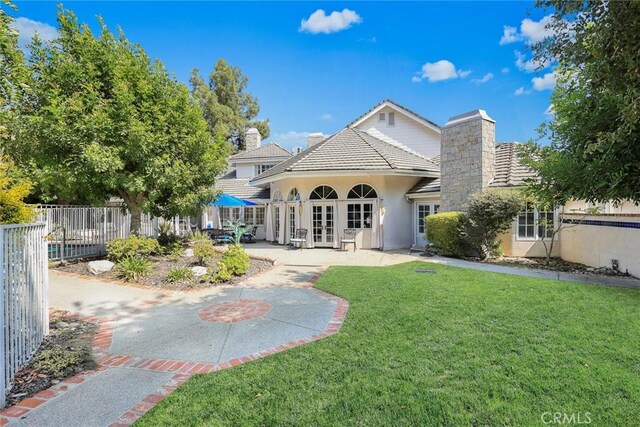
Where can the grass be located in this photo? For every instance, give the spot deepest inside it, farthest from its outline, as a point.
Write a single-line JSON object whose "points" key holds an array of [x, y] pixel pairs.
{"points": [[458, 347]]}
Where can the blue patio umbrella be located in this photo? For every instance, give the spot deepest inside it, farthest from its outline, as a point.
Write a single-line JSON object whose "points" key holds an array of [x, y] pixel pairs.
{"points": [[228, 200]]}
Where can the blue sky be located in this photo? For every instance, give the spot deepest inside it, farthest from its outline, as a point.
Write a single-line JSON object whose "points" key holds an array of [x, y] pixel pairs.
{"points": [[439, 59]]}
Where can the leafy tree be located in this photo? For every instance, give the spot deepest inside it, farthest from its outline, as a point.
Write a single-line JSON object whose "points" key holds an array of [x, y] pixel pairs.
{"points": [[104, 120], [13, 190], [491, 213], [227, 107], [594, 153]]}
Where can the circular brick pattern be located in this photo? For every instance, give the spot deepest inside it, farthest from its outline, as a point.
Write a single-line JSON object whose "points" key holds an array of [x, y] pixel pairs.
{"points": [[235, 311]]}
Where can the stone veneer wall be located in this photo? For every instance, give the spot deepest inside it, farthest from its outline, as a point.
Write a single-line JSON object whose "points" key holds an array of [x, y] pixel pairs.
{"points": [[467, 158]]}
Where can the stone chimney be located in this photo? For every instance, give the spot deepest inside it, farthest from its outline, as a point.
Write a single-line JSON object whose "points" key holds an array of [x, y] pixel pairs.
{"points": [[467, 150], [252, 139], [314, 138]]}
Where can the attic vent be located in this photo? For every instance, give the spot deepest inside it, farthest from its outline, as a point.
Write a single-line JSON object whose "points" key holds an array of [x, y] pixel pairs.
{"points": [[392, 119], [381, 117]]}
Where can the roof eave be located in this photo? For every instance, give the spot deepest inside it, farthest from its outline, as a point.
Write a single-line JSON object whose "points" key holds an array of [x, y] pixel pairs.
{"points": [[346, 172], [399, 109]]}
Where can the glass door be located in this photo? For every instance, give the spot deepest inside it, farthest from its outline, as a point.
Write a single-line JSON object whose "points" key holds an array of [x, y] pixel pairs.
{"points": [[322, 225]]}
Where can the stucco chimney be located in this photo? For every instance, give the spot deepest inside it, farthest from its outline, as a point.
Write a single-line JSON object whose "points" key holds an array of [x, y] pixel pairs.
{"points": [[467, 150], [314, 138], [252, 139]]}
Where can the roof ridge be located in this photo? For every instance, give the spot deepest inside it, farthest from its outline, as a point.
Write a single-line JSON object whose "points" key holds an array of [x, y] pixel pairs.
{"points": [[402, 147], [280, 146], [400, 106], [357, 131]]}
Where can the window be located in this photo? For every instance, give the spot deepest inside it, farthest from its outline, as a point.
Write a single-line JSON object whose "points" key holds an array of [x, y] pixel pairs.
{"points": [[262, 168], [277, 196], [381, 117], [359, 215], [254, 215], [292, 222], [534, 225], [392, 119], [424, 210], [362, 191], [229, 215], [248, 216], [293, 195], [259, 217], [276, 216], [323, 192]]}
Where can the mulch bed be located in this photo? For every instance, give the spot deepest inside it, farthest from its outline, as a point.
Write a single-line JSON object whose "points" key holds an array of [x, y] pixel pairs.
{"points": [[161, 267], [68, 334], [555, 264]]}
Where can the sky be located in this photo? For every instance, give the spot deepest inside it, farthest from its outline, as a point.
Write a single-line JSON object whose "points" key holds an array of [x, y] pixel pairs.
{"points": [[315, 67]]}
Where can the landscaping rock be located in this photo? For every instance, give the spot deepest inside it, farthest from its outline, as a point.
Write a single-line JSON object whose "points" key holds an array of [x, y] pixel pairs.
{"points": [[188, 252], [199, 271], [102, 266]]}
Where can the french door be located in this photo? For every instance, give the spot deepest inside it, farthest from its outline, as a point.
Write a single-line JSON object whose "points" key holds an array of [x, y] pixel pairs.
{"points": [[323, 223], [423, 210]]}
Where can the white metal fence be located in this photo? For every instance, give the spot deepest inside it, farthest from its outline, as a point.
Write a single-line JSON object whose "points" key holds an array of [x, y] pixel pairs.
{"points": [[24, 308], [83, 231]]}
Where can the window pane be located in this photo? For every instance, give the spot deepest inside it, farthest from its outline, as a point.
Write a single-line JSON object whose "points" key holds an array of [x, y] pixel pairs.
{"points": [[259, 219], [392, 119]]}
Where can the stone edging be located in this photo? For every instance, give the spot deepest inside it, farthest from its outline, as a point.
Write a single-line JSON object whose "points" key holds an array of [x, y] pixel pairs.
{"points": [[183, 370]]}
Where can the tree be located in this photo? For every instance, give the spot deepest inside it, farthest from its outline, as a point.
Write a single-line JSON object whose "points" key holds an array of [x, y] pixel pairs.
{"points": [[13, 190], [491, 213], [227, 107], [104, 120], [594, 153]]}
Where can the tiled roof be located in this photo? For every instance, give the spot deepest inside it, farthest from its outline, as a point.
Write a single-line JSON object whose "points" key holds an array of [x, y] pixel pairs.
{"points": [[352, 149], [509, 172], [268, 150], [239, 187], [395, 104]]}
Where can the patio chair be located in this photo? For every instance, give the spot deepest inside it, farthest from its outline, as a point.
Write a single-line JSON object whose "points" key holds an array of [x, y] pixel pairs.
{"points": [[220, 236], [300, 238], [249, 236], [348, 237]]}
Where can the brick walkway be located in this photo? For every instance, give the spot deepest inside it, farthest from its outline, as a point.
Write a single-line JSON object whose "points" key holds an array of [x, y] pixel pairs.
{"points": [[149, 346]]}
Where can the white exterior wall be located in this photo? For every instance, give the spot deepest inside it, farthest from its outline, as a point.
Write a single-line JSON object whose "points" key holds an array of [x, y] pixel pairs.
{"points": [[245, 170], [397, 229], [405, 131]]}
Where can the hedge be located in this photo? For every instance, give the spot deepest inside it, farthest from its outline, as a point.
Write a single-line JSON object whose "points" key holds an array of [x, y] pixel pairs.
{"points": [[445, 233]]}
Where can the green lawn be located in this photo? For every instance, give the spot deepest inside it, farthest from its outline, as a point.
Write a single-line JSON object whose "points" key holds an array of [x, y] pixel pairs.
{"points": [[459, 347]]}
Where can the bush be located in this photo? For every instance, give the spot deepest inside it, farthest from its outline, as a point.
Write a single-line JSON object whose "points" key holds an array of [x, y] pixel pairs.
{"points": [[199, 236], [132, 246], [204, 251], [179, 274], [445, 231], [133, 268], [166, 237], [236, 260], [490, 213], [58, 361], [13, 209], [174, 248], [222, 274]]}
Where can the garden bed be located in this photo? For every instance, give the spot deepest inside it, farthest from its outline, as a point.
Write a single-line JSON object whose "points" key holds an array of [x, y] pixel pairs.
{"points": [[556, 264], [65, 352], [163, 264]]}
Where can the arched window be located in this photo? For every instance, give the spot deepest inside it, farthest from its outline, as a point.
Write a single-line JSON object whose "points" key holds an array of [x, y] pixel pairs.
{"points": [[293, 195], [362, 191], [277, 196], [323, 192]]}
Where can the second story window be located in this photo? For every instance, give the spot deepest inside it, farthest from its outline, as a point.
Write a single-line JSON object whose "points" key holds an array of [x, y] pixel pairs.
{"points": [[381, 117], [262, 168], [392, 119]]}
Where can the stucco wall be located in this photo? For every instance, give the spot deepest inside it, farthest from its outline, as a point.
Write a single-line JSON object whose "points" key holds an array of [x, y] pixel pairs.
{"points": [[512, 246], [597, 245], [397, 230], [406, 131]]}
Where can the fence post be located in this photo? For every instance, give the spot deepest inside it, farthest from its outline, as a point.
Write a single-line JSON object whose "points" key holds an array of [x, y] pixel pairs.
{"points": [[2, 322]]}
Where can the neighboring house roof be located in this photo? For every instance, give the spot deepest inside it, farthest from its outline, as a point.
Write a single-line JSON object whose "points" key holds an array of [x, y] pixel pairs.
{"points": [[239, 187], [394, 105], [508, 172], [351, 150], [268, 150]]}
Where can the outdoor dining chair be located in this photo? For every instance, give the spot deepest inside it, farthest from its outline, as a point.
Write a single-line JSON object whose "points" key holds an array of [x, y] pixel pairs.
{"points": [[300, 238], [348, 237]]}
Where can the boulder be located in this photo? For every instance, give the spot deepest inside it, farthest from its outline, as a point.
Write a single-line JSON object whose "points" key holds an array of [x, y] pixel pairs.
{"points": [[102, 266], [188, 252], [199, 271]]}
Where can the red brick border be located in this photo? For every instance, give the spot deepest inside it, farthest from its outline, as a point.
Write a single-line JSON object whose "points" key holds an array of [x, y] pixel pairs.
{"points": [[183, 370]]}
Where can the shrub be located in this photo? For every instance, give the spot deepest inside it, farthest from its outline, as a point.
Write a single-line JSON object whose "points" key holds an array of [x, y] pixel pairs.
{"points": [[58, 361], [179, 274], [166, 236], [236, 260], [222, 274], [132, 246], [490, 213], [199, 236], [174, 248], [204, 251], [446, 232], [13, 209], [133, 268]]}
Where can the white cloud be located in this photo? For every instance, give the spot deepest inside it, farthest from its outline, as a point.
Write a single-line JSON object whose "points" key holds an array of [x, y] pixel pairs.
{"points": [[549, 111], [320, 22], [439, 71], [327, 117], [546, 82], [484, 78], [416, 79], [505, 70], [27, 28], [290, 139], [530, 31], [520, 91], [529, 65]]}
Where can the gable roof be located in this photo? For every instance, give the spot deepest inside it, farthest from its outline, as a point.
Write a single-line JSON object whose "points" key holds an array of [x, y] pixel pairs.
{"points": [[352, 150], [394, 105], [268, 150], [240, 187]]}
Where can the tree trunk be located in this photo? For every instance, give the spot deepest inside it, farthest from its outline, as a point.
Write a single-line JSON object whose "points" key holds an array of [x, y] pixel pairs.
{"points": [[136, 219]]}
